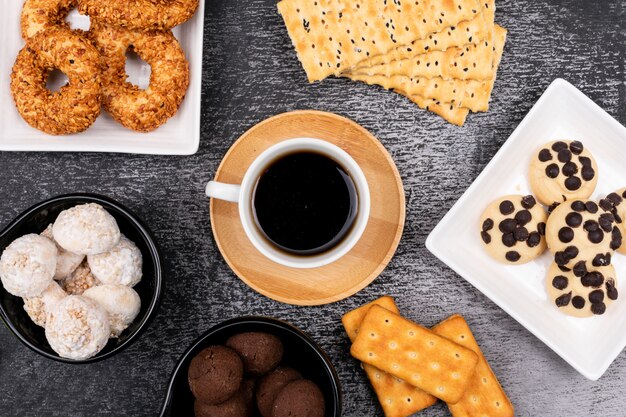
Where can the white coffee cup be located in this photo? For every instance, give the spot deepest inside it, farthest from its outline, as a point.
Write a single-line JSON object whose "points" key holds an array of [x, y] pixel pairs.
{"points": [[242, 194]]}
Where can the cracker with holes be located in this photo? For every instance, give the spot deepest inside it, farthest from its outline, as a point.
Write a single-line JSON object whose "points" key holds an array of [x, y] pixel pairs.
{"points": [[616, 204], [582, 291], [562, 170], [512, 229], [331, 37], [417, 355], [580, 230], [484, 395], [397, 398]]}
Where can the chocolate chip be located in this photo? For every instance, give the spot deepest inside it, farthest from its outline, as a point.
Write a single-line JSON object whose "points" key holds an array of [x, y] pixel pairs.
{"points": [[596, 296], [587, 173], [508, 240], [615, 198], [564, 155], [596, 236], [523, 217], [598, 308], [592, 279], [566, 235], [591, 207], [616, 239], [558, 146], [521, 234], [570, 169], [506, 207], [601, 259], [528, 202], [578, 302], [487, 225], [578, 206], [563, 268], [624, 194], [606, 222], [571, 252], [591, 226], [541, 228], [507, 225], [576, 147], [573, 219], [512, 256], [560, 282], [573, 183], [606, 204], [545, 155], [563, 300], [618, 219], [552, 206], [586, 162], [611, 291], [580, 269], [486, 237], [552, 171], [534, 239]]}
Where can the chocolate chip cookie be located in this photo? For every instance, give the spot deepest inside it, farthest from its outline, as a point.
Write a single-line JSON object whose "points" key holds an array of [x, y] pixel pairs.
{"points": [[512, 229], [616, 204], [561, 171]]}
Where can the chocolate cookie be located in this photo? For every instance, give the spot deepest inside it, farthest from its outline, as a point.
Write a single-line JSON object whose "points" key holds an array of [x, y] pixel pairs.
{"points": [[261, 352], [239, 405], [561, 171], [271, 385], [582, 291], [215, 374], [512, 229], [301, 398], [616, 204], [581, 230]]}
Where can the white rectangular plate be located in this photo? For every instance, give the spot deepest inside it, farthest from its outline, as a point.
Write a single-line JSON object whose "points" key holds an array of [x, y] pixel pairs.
{"points": [[590, 344], [179, 136]]}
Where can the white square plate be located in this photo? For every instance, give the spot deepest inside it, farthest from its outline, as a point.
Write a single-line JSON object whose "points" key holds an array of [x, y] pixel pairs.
{"points": [[562, 112], [179, 136]]}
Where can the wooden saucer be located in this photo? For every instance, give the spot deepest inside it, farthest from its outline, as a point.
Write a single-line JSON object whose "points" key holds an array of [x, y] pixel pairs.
{"points": [[359, 267]]}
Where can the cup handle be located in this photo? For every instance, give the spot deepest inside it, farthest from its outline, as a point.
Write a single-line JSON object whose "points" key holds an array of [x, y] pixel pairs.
{"points": [[221, 191]]}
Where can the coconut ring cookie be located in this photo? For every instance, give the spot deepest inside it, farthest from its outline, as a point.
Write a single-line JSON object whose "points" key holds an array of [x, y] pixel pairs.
{"points": [[580, 230], [583, 291], [76, 105], [513, 228], [38, 15], [136, 109], [616, 204], [140, 14], [561, 171]]}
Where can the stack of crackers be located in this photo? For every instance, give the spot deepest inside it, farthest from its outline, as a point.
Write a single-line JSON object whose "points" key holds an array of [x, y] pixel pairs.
{"points": [[441, 54], [410, 367]]}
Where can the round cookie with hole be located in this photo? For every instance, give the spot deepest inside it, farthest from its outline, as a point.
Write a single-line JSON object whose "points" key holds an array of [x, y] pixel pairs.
{"points": [[581, 230], [582, 291], [512, 229], [562, 170], [616, 204]]}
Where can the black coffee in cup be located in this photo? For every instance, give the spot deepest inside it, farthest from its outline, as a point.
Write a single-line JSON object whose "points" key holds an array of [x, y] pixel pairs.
{"points": [[305, 203]]}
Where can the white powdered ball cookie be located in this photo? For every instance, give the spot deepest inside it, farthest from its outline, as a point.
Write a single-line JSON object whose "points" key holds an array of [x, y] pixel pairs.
{"points": [[27, 265], [615, 203], [67, 262], [77, 328], [122, 303], [122, 265], [87, 229], [80, 280], [561, 171], [39, 307]]}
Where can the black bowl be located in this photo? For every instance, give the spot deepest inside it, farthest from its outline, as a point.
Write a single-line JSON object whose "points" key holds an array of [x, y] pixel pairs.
{"points": [[35, 220], [301, 353]]}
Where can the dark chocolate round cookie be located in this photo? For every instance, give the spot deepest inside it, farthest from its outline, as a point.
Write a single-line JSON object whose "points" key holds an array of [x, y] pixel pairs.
{"points": [[271, 385], [301, 398], [261, 352], [239, 405], [215, 374]]}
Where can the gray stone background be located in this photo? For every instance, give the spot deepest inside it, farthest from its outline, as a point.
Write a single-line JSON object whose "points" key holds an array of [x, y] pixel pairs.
{"points": [[251, 73]]}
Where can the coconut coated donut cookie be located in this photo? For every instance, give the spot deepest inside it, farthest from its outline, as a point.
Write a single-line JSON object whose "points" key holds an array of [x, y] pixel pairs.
{"points": [[38, 15], [561, 171], [27, 265], [121, 303], [580, 230], [86, 229], [67, 262], [512, 229], [582, 291], [616, 204], [39, 307], [121, 265]]}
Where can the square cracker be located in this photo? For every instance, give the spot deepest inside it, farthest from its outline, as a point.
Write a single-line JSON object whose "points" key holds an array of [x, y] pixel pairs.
{"points": [[415, 354], [332, 36], [397, 398], [484, 396]]}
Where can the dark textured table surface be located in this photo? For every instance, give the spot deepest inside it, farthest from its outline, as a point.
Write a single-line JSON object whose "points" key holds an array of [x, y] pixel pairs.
{"points": [[251, 73]]}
